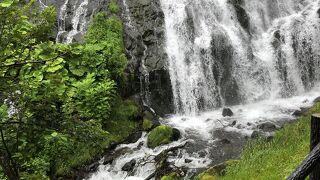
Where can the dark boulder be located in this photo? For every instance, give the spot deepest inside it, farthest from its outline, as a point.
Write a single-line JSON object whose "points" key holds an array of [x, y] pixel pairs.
{"points": [[176, 135], [129, 166], [316, 100], [267, 127], [227, 112], [134, 137], [233, 123], [93, 167], [187, 160], [256, 134], [301, 112], [224, 141]]}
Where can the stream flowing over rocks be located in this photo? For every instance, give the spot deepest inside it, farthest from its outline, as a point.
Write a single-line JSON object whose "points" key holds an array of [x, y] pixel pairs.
{"points": [[220, 71]]}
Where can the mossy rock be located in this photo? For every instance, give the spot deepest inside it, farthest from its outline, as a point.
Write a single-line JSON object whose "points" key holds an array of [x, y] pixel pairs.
{"points": [[162, 134], [147, 124], [214, 172], [172, 176]]}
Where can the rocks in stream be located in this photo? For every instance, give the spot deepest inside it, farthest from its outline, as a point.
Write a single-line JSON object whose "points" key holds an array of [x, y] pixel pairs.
{"points": [[267, 127], [316, 100], [129, 166], [163, 134], [301, 112], [227, 112]]}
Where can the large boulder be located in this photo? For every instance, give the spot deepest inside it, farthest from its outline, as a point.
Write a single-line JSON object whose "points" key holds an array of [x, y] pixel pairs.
{"points": [[163, 134], [267, 127], [317, 100], [129, 166], [227, 112]]}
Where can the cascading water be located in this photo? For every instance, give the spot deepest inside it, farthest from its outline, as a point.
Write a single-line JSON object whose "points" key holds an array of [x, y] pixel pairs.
{"points": [[224, 52], [262, 57], [78, 22]]}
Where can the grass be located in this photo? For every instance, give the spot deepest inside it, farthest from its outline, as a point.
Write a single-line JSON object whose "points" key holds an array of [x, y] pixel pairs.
{"points": [[277, 159]]}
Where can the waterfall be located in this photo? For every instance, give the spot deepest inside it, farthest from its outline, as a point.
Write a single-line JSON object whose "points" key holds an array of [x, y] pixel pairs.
{"points": [[227, 52], [78, 21]]}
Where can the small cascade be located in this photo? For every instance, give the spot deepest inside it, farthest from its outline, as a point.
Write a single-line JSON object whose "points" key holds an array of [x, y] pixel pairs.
{"points": [[42, 4], [78, 22], [144, 79], [126, 15], [226, 52], [62, 22]]}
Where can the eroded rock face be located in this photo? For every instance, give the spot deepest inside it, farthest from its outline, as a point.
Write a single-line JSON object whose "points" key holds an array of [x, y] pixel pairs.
{"points": [[145, 46]]}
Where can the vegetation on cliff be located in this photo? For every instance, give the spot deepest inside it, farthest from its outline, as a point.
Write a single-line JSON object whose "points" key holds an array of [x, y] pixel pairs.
{"points": [[59, 103]]}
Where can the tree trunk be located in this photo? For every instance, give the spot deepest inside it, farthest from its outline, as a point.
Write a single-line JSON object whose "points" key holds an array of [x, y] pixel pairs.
{"points": [[7, 168]]}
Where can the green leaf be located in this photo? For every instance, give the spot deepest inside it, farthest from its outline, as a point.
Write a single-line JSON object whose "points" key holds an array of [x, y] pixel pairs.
{"points": [[54, 68], [6, 3], [38, 75], [54, 134]]}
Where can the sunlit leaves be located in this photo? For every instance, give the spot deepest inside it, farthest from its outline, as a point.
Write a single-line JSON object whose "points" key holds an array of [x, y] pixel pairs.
{"points": [[6, 3]]}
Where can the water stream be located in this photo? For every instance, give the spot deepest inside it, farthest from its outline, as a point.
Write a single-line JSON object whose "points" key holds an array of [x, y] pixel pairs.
{"points": [[261, 58]]}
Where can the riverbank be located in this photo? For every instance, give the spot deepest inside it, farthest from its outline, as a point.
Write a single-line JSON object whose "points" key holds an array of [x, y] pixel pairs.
{"points": [[275, 159]]}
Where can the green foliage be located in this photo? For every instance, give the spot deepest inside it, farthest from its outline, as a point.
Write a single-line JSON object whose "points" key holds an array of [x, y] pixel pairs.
{"points": [[86, 94], [172, 176], [113, 7], [147, 124], [107, 32], [276, 159], [160, 135], [65, 96], [123, 114]]}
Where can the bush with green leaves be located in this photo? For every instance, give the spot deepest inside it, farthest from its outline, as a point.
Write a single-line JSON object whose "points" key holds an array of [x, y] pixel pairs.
{"points": [[63, 98]]}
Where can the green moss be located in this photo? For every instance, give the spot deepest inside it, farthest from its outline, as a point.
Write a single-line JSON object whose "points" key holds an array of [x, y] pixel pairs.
{"points": [[147, 124], [172, 176], [210, 174], [113, 7], [277, 159], [160, 135]]}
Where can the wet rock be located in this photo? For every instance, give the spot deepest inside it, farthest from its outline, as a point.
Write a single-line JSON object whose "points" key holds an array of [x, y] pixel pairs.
{"points": [[316, 100], [176, 135], [187, 160], [129, 166], [163, 134], [305, 101], [227, 112], [240, 126], [133, 137], [202, 154], [256, 134], [249, 124], [301, 112], [112, 155], [233, 123], [224, 141], [267, 127], [93, 167]]}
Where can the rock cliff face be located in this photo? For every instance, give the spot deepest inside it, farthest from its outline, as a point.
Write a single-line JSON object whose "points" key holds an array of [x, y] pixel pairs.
{"points": [[144, 44]]}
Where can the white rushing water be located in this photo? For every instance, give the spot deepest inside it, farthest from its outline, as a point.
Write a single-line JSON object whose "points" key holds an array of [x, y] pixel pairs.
{"points": [[78, 20], [216, 60], [261, 58]]}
